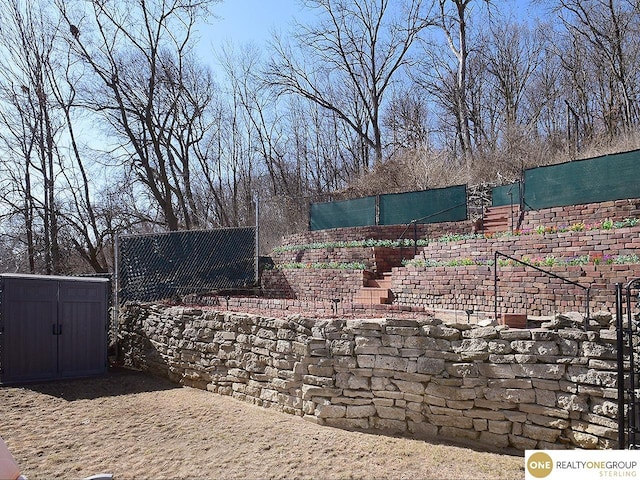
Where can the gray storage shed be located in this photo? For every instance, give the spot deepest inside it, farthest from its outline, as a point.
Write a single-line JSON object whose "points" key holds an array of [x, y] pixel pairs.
{"points": [[52, 327]]}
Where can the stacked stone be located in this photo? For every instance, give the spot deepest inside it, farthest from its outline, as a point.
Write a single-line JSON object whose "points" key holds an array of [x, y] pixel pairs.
{"points": [[543, 388], [255, 359]]}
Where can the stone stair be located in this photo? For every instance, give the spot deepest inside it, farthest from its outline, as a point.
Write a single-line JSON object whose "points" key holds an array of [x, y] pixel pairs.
{"points": [[499, 219], [375, 291]]}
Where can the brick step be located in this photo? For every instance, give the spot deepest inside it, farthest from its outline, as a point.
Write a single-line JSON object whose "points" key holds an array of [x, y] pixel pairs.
{"points": [[498, 219], [500, 216], [384, 282], [495, 221], [373, 296]]}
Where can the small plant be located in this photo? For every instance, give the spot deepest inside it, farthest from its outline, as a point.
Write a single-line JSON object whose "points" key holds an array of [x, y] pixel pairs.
{"points": [[323, 265], [548, 261], [581, 260], [624, 259], [607, 224], [627, 222], [578, 227]]}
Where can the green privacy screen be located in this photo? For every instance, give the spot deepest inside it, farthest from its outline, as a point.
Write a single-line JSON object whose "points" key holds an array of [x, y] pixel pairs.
{"points": [[506, 195], [427, 206], [359, 212], [169, 265], [611, 177]]}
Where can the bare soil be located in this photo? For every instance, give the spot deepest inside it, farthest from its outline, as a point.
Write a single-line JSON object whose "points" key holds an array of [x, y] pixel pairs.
{"points": [[137, 426]]}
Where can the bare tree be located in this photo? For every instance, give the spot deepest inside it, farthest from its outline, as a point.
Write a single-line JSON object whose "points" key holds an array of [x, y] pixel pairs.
{"points": [[31, 126], [513, 53], [149, 90], [407, 120], [454, 17], [347, 63], [609, 29]]}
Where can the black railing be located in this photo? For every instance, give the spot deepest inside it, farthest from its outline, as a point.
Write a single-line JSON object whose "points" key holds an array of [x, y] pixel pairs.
{"points": [[415, 222], [546, 272], [628, 338]]}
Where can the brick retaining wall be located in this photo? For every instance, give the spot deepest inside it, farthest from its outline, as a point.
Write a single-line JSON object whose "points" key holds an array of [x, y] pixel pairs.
{"points": [[312, 283], [382, 232], [375, 259], [520, 289], [620, 241], [587, 213], [521, 389], [461, 287]]}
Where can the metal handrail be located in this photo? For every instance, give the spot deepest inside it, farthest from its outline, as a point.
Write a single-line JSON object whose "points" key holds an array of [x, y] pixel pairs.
{"points": [[546, 272], [415, 226]]}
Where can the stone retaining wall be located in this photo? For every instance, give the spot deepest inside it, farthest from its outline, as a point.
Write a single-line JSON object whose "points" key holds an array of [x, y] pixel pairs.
{"points": [[499, 387]]}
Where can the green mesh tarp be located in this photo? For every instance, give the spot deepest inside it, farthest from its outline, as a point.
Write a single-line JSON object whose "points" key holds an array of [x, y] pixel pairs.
{"points": [[427, 206], [611, 177], [506, 195], [359, 212], [170, 265]]}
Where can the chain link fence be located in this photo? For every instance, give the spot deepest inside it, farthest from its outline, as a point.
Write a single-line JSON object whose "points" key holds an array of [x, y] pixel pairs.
{"points": [[171, 265]]}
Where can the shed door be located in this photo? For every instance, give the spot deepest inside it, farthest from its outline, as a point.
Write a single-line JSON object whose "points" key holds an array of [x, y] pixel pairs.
{"points": [[83, 321], [30, 345]]}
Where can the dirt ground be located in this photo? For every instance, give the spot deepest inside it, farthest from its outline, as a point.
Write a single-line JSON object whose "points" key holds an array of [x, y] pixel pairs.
{"points": [[136, 426]]}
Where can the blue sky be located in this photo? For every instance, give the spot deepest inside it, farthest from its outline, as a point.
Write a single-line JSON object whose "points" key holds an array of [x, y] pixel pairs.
{"points": [[249, 21], [252, 21]]}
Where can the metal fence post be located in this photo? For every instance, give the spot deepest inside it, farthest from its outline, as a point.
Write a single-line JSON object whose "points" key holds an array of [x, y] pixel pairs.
{"points": [[620, 358], [257, 261], [116, 288]]}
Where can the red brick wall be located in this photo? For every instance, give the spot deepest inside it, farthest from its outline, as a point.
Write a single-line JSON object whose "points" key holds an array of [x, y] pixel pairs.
{"points": [[520, 289], [621, 241], [377, 259], [389, 232], [589, 213], [586, 213], [312, 283]]}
